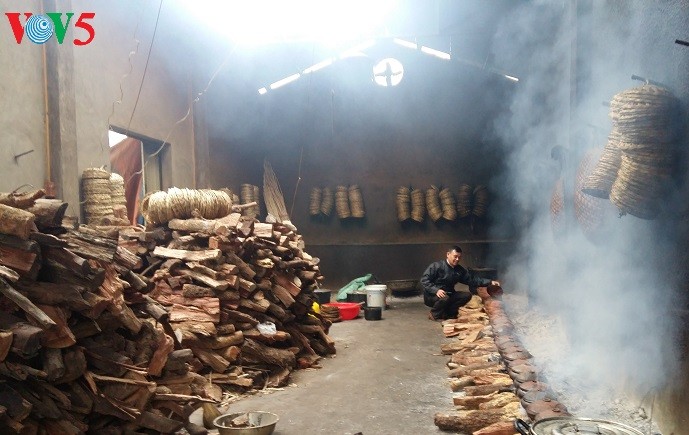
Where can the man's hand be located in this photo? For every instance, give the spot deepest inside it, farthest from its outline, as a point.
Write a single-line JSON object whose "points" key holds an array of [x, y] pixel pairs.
{"points": [[495, 283], [441, 294]]}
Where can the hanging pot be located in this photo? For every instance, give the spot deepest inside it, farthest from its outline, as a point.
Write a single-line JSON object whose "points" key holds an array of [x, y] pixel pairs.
{"points": [[580, 426]]}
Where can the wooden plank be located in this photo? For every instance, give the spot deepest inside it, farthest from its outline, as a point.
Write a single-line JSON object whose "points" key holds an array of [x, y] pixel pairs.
{"points": [[25, 304], [181, 254]]}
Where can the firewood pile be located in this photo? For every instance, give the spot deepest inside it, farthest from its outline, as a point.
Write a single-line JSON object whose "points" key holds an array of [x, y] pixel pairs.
{"points": [[495, 378], [119, 329]]}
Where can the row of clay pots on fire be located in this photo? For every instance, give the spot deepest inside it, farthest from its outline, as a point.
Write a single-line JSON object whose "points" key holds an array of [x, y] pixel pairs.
{"points": [[536, 397]]}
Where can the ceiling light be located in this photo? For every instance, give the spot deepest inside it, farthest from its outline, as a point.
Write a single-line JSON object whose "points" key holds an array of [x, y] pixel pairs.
{"points": [[436, 53], [319, 65], [262, 91], [514, 79], [284, 81], [405, 43]]}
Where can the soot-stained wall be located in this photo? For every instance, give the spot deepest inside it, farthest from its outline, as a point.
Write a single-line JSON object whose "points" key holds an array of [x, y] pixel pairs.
{"points": [[338, 128]]}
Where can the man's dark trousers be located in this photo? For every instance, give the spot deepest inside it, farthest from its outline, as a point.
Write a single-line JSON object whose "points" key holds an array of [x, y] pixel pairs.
{"points": [[446, 308]]}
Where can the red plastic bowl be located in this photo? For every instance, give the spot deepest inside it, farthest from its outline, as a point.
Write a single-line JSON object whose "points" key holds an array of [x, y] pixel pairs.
{"points": [[348, 310]]}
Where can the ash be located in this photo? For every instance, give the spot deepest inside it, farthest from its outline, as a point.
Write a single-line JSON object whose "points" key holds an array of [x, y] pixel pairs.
{"points": [[545, 337]]}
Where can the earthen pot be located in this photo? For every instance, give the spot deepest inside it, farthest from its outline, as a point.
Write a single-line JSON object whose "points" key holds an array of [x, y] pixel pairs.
{"points": [[505, 340], [541, 406], [518, 362], [534, 395], [556, 411], [528, 386], [517, 354]]}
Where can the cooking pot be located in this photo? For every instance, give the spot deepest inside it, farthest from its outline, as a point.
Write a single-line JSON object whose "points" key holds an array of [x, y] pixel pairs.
{"points": [[574, 425]]}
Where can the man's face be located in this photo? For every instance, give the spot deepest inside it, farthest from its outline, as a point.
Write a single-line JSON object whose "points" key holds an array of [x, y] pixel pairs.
{"points": [[453, 258]]}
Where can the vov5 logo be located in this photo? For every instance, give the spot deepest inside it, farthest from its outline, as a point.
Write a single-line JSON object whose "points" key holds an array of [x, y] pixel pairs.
{"points": [[40, 28]]}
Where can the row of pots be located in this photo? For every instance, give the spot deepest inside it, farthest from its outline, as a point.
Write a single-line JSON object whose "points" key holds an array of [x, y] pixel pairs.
{"points": [[536, 396]]}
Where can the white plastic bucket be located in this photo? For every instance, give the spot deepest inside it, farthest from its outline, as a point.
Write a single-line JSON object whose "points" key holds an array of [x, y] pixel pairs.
{"points": [[375, 295]]}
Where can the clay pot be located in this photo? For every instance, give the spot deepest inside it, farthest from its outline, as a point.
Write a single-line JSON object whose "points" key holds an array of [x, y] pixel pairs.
{"points": [[523, 354], [533, 396], [557, 411], [545, 405], [528, 386]]}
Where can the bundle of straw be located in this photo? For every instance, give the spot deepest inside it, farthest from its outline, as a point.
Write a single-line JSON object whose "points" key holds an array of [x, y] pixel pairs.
{"points": [[275, 201]]}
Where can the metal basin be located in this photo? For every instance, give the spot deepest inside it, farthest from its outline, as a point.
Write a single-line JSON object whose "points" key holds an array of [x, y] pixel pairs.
{"points": [[260, 423]]}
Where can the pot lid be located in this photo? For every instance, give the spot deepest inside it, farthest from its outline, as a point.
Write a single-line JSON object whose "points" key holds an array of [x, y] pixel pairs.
{"points": [[581, 426]]}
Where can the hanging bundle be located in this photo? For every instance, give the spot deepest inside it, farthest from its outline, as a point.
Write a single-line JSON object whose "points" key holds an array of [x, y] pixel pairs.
{"points": [[356, 202], [327, 202], [602, 177], [403, 203], [480, 201], [433, 204], [342, 202], [418, 207], [447, 201], [315, 201], [464, 197]]}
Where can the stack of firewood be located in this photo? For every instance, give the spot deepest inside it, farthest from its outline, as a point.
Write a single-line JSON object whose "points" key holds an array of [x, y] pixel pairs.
{"points": [[485, 401], [112, 329]]}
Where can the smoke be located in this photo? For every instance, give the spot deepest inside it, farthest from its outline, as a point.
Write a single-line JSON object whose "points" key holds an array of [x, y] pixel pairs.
{"points": [[612, 290]]}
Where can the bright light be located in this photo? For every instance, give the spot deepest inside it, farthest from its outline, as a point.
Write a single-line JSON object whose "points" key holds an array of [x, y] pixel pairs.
{"points": [[284, 81], [265, 21], [388, 72], [262, 91], [319, 65], [436, 53], [405, 43], [114, 137], [514, 79]]}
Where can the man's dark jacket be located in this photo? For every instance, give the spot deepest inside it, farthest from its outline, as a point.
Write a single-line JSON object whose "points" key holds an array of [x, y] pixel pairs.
{"points": [[440, 275]]}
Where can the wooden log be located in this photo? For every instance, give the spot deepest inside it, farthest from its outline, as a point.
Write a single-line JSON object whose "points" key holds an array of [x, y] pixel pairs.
{"points": [[17, 407], [472, 402], [21, 200], [244, 269], [25, 304], [180, 254], [61, 335], [138, 282], [212, 359], [49, 213], [205, 329], [278, 357], [239, 317], [499, 428], [196, 291], [8, 274], [469, 421], [468, 370], [156, 310], [193, 225], [206, 280], [159, 359], [284, 295], [92, 244], [194, 309], [264, 230], [286, 281], [126, 259], [68, 259], [480, 390], [53, 363], [16, 222], [26, 339], [5, 344], [53, 294], [501, 400], [23, 256], [231, 353]]}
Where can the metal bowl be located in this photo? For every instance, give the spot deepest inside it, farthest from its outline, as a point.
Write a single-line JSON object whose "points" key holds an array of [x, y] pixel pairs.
{"points": [[402, 285], [260, 423]]}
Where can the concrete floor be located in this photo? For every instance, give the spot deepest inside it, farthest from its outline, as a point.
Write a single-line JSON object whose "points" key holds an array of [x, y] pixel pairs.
{"points": [[388, 377]]}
